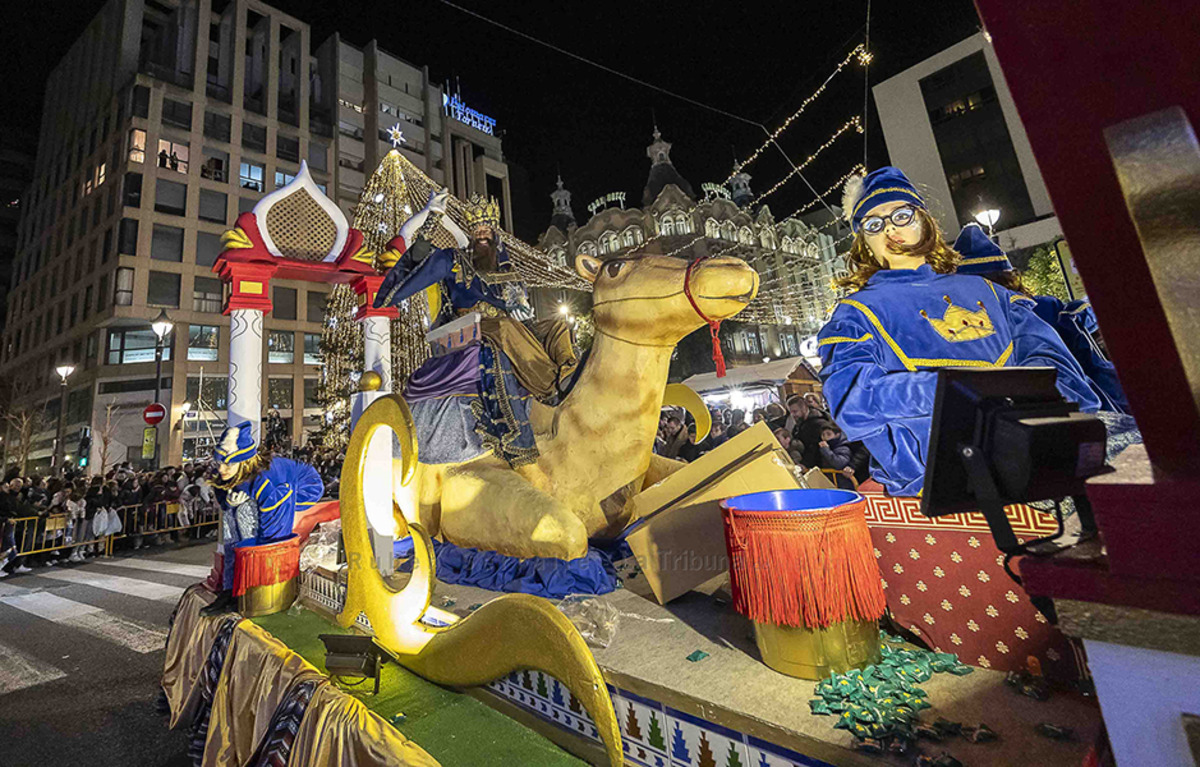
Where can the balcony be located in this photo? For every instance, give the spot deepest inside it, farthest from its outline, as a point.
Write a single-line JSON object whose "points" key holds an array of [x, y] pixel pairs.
{"points": [[167, 73]]}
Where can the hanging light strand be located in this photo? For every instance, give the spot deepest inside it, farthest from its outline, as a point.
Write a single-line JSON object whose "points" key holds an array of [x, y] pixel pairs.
{"points": [[854, 122], [858, 51]]}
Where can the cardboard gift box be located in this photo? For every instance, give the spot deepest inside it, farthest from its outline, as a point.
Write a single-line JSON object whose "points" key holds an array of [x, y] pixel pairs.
{"points": [[677, 534]]}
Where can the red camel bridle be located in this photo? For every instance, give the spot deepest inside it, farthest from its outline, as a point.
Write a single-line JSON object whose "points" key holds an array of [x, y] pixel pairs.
{"points": [[714, 326]]}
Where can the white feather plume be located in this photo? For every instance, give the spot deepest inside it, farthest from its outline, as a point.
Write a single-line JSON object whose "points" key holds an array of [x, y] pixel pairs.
{"points": [[850, 194], [229, 440]]}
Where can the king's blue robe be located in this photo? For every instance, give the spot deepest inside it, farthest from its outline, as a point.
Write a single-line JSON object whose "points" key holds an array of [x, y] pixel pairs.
{"points": [[1076, 323], [883, 344]]}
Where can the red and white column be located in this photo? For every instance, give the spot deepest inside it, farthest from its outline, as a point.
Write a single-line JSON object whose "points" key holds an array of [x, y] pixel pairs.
{"points": [[249, 299]]}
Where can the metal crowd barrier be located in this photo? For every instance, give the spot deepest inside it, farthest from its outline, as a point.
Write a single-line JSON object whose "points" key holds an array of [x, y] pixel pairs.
{"points": [[49, 532]]}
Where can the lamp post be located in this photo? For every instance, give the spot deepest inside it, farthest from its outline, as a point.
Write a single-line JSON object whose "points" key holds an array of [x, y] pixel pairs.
{"points": [[988, 217], [162, 326], [64, 371]]}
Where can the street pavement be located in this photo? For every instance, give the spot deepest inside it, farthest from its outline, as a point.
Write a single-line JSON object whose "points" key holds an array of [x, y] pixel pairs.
{"points": [[81, 656]]}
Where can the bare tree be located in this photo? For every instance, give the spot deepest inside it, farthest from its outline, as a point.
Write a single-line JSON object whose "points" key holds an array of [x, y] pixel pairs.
{"points": [[22, 422], [108, 434]]}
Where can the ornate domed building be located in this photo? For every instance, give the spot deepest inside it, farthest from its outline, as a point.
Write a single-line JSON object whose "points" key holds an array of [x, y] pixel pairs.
{"points": [[795, 258]]}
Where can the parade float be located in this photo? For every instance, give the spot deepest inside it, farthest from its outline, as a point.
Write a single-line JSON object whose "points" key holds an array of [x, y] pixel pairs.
{"points": [[671, 670]]}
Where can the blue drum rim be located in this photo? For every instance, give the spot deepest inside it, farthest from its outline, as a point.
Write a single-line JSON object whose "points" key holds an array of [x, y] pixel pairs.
{"points": [[781, 501]]}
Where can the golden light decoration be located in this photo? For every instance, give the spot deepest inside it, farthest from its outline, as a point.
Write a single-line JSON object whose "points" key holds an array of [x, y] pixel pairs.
{"points": [[854, 122], [507, 634], [859, 50]]}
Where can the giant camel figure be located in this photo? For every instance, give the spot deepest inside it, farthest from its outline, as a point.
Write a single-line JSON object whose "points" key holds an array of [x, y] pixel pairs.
{"points": [[599, 440]]}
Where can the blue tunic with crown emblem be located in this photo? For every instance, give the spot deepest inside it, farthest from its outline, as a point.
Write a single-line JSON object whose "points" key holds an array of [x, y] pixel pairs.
{"points": [[883, 344]]}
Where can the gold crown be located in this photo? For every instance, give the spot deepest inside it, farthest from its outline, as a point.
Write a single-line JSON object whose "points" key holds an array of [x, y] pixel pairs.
{"points": [[482, 211], [961, 324]]}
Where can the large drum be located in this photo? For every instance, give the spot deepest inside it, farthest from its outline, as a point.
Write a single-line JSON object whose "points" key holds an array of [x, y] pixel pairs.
{"points": [[802, 568]]}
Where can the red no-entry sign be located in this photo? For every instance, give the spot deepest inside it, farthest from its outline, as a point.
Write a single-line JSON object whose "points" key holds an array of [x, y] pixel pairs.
{"points": [[154, 413]]}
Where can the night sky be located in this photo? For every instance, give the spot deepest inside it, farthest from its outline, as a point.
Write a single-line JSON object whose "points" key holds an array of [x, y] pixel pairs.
{"points": [[755, 60]]}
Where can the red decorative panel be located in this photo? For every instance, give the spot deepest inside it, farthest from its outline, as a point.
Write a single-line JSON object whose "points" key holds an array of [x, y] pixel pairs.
{"points": [[944, 580]]}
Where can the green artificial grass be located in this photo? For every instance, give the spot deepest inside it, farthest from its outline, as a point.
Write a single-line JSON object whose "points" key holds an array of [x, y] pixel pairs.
{"points": [[454, 728]]}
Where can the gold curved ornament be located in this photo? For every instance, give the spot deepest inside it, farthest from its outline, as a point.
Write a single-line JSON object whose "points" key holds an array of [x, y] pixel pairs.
{"points": [[235, 239], [510, 633], [684, 396]]}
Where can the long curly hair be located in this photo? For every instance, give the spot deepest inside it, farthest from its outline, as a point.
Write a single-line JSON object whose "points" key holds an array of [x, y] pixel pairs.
{"points": [[245, 470], [932, 246], [1010, 279]]}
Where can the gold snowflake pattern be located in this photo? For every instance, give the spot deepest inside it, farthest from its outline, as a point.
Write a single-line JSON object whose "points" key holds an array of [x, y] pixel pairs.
{"points": [[983, 577], [921, 586], [1001, 647], [973, 625], [1000, 560], [928, 619], [1039, 617], [939, 572], [890, 538], [956, 639], [1011, 597], [914, 628], [913, 554], [973, 542], [955, 557], [963, 590], [984, 662], [878, 553], [930, 539], [1021, 632], [883, 582], [992, 612], [946, 605], [904, 600], [897, 569], [1052, 654]]}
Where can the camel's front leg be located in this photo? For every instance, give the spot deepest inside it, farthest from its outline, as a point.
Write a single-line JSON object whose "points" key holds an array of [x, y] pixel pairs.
{"points": [[489, 506]]}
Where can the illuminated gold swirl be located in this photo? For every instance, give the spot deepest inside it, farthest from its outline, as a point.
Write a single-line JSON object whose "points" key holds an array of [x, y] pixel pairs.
{"points": [[510, 633], [682, 395]]}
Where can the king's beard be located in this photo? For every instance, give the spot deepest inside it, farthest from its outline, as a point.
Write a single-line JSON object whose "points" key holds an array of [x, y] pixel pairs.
{"points": [[483, 256]]}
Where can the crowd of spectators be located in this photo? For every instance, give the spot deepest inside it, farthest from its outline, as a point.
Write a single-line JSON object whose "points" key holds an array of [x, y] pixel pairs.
{"points": [[63, 518], [803, 428]]}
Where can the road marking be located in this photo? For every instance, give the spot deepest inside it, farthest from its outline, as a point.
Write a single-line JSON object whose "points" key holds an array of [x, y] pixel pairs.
{"points": [[18, 670], [121, 585], [136, 635], [10, 590], [158, 566]]}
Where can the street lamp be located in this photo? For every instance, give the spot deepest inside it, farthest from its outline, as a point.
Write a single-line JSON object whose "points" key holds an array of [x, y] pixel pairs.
{"points": [[64, 371], [162, 326], [988, 218]]}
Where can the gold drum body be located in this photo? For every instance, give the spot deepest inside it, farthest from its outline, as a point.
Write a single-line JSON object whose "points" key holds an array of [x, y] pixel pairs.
{"points": [[268, 600], [815, 653]]}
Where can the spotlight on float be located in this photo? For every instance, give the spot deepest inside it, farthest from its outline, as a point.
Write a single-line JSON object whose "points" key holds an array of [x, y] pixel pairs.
{"points": [[354, 656]]}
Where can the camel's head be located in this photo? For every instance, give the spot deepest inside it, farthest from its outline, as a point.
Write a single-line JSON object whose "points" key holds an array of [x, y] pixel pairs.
{"points": [[643, 299]]}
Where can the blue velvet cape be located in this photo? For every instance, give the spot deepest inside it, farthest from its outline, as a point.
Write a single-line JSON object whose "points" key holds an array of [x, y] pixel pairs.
{"points": [[883, 344], [1075, 323], [285, 487]]}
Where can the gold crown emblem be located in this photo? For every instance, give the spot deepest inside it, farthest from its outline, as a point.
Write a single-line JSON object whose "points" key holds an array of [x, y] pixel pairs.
{"points": [[961, 324], [482, 211]]}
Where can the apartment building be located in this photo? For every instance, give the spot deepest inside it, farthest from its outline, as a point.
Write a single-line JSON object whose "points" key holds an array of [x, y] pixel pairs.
{"points": [[164, 121]]}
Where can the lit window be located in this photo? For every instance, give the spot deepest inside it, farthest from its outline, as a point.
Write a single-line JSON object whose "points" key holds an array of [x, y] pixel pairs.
{"points": [[745, 236], [129, 346], [207, 296], [312, 349], [251, 176], [137, 145], [666, 225], [711, 229], [123, 287], [283, 179], [627, 238], [100, 170], [281, 346], [202, 342], [683, 224], [173, 155]]}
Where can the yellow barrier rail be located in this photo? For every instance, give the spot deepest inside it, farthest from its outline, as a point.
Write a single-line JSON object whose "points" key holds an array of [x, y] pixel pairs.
{"points": [[45, 533]]}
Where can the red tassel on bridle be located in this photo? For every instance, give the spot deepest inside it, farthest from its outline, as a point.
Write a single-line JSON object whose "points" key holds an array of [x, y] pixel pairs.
{"points": [[714, 326]]}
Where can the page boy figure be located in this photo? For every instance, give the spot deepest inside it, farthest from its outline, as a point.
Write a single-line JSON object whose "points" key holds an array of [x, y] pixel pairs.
{"points": [[259, 497], [909, 315]]}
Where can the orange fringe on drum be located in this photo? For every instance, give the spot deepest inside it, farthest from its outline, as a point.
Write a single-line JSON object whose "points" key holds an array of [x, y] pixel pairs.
{"points": [[266, 565], [810, 568]]}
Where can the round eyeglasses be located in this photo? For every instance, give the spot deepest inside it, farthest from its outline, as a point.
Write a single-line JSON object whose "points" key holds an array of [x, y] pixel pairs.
{"points": [[899, 217]]}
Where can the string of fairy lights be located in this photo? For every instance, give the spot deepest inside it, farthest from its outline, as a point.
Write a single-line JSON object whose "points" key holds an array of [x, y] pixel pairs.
{"points": [[864, 58]]}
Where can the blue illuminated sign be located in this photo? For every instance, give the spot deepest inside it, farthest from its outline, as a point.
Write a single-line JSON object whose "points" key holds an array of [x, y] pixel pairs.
{"points": [[454, 107]]}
